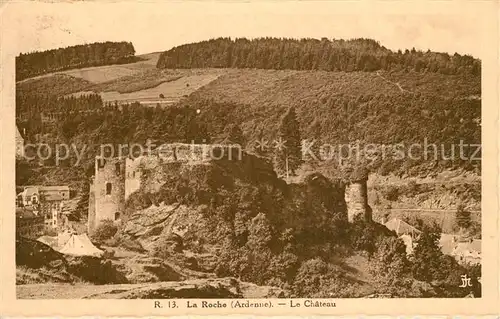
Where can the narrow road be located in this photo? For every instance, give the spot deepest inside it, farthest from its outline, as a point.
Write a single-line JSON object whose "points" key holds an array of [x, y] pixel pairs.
{"points": [[430, 210]]}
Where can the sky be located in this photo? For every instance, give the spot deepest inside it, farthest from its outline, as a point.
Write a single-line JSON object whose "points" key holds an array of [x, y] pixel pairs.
{"points": [[157, 26]]}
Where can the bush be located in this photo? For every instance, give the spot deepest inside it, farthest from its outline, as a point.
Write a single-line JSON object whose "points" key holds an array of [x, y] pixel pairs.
{"points": [[167, 246], [390, 260], [105, 230], [49, 231], [391, 193]]}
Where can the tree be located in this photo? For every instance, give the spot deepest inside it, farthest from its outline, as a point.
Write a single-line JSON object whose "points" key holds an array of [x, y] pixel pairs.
{"points": [[427, 254], [232, 134], [259, 232], [463, 217], [363, 235], [390, 258], [288, 155], [105, 230]]}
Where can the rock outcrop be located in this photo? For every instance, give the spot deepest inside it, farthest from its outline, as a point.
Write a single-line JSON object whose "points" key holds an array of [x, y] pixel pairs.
{"points": [[38, 262]]}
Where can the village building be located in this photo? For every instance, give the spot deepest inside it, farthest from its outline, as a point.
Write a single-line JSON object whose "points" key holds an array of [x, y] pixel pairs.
{"points": [[29, 223], [468, 252], [405, 231], [28, 197], [400, 227], [464, 250], [48, 200]]}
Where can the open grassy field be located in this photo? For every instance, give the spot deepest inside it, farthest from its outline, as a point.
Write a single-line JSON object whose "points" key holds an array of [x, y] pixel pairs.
{"points": [[147, 87], [108, 73], [126, 83], [100, 74], [179, 86]]}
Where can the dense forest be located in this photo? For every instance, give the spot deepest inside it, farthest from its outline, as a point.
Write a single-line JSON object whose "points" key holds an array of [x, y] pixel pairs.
{"points": [[79, 56], [312, 54], [87, 120], [338, 120]]}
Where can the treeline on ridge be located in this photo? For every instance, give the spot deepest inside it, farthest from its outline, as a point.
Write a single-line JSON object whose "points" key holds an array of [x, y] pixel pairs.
{"points": [[312, 54], [79, 56]]}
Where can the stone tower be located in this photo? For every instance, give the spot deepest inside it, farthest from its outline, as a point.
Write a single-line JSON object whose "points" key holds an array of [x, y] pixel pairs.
{"points": [[91, 214], [108, 191], [356, 197]]}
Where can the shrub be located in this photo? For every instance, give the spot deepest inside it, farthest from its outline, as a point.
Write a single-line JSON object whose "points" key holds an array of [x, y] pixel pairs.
{"points": [[105, 230], [168, 245], [390, 260], [138, 200], [316, 278]]}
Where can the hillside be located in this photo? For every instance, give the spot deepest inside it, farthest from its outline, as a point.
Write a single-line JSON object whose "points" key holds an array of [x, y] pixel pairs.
{"points": [[138, 82], [338, 108], [313, 54]]}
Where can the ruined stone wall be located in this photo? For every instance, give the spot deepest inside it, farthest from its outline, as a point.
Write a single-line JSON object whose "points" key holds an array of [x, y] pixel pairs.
{"points": [[134, 170], [91, 213], [109, 189], [356, 197], [132, 176]]}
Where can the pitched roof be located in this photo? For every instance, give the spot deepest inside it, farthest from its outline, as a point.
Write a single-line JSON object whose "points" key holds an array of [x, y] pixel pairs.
{"points": [[401, 227], [19, 136], [450, 245], [476, 245], [54, 188], [50, 193], [466, 248], [52, 197], [30, 191], [50, 188]]}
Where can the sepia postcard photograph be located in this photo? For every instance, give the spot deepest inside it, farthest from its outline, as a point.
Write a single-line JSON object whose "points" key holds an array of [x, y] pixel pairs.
{"points": [[264, 157]]}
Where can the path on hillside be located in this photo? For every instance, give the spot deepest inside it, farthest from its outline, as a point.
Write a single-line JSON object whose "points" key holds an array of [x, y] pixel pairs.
{"points": [[395, 83]]}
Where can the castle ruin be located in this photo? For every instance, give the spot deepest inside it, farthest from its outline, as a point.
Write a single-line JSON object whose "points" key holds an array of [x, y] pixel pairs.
{"points": [[115, 179], [107, 191]]}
